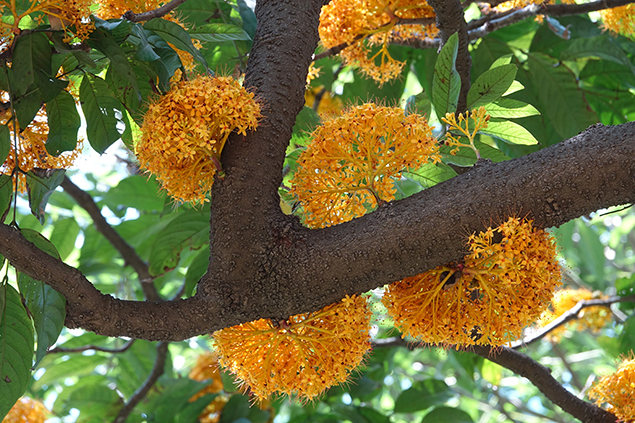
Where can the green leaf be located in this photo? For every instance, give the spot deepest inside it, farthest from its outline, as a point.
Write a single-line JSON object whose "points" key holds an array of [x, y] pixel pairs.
{"points": [[219, 32], [447, 414], [40, 184], [64, 122], [306, 121], [103, 112], [196, 270], [423, 394], [27, 106], [5, 142], [503, 60], [31, 62], [40, 242], [106, 44], [6, 195], [16, 348], [96, 403], [491, 85], [173, 399], [248, 16], [79, 366], [508, 108], [176, 35], [189, 229], [603, 47], [491, 372], [48, 309], [508, 131], [139, 192], [236, 408], [64, 235], [431, 174], [447, 82], [514, 87]]}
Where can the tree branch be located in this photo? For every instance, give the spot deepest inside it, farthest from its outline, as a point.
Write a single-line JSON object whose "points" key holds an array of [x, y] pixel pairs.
{"points": [[541, 377], [157, 371], [127, 252], [151, 14]]}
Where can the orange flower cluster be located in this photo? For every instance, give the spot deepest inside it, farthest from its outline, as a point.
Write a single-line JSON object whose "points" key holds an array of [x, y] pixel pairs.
{"points": [[303, 355], [502, 286], [594, 318], [31, 149], [27, 410], [618, 391], [466, 126], [114, 9], [366, 24], [352, 161], [517, 4], [620, 20], [330, 105], [72, 16], [207, 369], [184, 132]]}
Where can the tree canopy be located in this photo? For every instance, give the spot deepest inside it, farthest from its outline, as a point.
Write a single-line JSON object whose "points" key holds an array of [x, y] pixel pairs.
{"points": [[381, 211]]}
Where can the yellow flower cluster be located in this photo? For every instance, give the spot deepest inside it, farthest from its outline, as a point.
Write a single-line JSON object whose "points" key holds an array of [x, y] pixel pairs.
{"points": [[352, 160], [594, 318], [31, 149], [27, 410], [516, 4], [207, 369], [303, 355], [114, 9], [499, 288], [618, 391], [184, 132], [72, 16], [466, 126], [329, 105], [620, 20], [367, 24]]}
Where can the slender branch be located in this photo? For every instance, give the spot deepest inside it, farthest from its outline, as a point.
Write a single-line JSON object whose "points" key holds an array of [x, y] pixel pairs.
{"points": [[569, 315], [127, 252], [575, 380], [151, 14], [142, 391], [83, 348], [541, 377]]}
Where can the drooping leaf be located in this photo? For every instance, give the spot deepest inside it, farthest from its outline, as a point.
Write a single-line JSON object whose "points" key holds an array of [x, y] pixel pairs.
{"points": [[103, 112], [26, 106], [219, 32], [104, 42], [248, 16], [188, 230], [195, 271], [31, 62], [509, 131], [5, 142], [423, 394], [6, 195], [176, 35], [508, 108], [40, 184], [491, 85], [64, 122], [16, 348], [447, 82]]}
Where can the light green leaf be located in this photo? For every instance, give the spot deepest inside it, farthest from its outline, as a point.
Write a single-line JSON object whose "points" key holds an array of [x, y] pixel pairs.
{"points": [[176, 35], [431, 174], [103, 112], [40, 184], [508, 108], [64, 122], [6, 194], [503, 60], [447, 82], [509, 131], [603, 47], [64, 235], [190, 229], [16, 348], [96, 403], [218, 32], [79, 366], [514, 87], [491, 85], [136, 191]]}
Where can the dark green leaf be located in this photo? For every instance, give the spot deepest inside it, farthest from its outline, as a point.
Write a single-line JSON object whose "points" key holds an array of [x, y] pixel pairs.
{"points": [[306, 121], [64, 235], [16, 348], [447, 414], [508, 108], [105, 43], [491, 85], [196, 270], [422, 395], [31, 62], [248, 17], [218, 32], [176, 35], [5, 142], [419, 104], [27, 106], [48, 309], [173, 398], [64, 122], [508, 131], [237, 407], [189, 229], [6, 194], [603, 47], [96, 403], [103, 112], [40, 184], [118, 28], [447, 82]]}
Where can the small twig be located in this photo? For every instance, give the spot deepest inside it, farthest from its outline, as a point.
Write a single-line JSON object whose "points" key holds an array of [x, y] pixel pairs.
{"points": [[127, 252], [83, 348], [574, 376], [151, 14], [142, 391]]}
